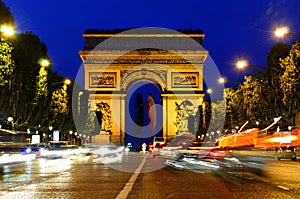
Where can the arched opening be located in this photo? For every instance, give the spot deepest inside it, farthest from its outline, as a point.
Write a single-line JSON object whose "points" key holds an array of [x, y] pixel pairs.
{"points": [[143, 113]]}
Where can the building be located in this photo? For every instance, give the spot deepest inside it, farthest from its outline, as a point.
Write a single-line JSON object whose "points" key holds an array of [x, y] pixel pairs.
{"points": [[144, 82]]}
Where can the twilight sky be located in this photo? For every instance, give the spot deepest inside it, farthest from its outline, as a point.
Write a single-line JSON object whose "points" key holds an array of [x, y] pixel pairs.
{"points": [[232, 28]]}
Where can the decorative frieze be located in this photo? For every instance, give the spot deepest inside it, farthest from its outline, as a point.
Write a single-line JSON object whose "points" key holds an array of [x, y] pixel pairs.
{"points": [[159, 77], [143, 57], [102, 80], [143, 60], [185, 79]]}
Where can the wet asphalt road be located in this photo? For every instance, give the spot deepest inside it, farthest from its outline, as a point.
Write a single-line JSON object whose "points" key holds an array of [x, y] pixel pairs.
{"points": [[86, 177]]}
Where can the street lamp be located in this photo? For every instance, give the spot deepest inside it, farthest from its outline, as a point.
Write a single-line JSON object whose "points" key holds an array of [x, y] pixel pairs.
{"points": [[243, 63], [282, 31], [79, 97], [71, 139], [75, 135], [49, 134], [223, 80], [209, 90], [10, 121], [6, 30], [44, 62], [67, 81]]}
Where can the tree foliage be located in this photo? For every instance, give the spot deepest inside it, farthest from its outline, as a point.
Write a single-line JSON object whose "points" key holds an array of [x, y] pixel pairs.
{"points": [[6, 62], [6, 17], [270, 93], [218, 113], [28, 96], [42, 82], [290, 81], [59, 101], [235, 108]]}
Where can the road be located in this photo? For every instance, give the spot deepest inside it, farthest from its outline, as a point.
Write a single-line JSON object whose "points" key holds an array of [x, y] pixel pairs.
{"points": [[86, 177]]}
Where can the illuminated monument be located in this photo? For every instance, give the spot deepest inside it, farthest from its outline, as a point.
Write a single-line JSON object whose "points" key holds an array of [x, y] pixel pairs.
{"points": [[140, 87]]}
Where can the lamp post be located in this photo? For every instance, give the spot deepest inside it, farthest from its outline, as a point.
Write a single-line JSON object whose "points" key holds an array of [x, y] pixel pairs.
{"points": [[282, 31], [71, 139], [243, 63], [44, 137], [44, 62], [67, 81], [209, 91], [28, 140], [75, 135], [10, 121], [223, 80], [79, 100], [50, 130], [6, 30]]}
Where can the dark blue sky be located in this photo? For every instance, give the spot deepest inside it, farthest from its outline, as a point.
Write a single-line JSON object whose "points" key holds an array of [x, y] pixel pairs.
{"points": [[233, 28]]}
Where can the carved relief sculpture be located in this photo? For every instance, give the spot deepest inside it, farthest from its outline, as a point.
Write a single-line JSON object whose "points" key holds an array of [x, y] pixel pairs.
{"points": [[184, 111], [106, 123], [102, 80], [185, 79]]}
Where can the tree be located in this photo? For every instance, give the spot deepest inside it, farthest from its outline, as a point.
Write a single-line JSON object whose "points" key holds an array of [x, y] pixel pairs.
{"points": [[26, 86], [42, 89], [29, 49], [235, 113], [273, 91], [91, 124], [6, 17], [59, 105], [254, 99], [6, 62], [206, 112], [290, 81], [218, 113]]}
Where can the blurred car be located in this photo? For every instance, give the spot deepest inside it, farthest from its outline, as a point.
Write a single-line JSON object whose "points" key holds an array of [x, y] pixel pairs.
{"points": [[105, 154], [11, 153], [128, 147], [216, 153], [106, 150], [287, 153], [60, 149]]}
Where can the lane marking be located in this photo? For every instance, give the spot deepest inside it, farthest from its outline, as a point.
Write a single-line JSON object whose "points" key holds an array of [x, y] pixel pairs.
{"points": [[282, 187], [128, 186]]}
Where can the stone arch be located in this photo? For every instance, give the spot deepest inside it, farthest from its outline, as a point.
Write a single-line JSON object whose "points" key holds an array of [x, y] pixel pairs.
{"points": [[133, 76]]}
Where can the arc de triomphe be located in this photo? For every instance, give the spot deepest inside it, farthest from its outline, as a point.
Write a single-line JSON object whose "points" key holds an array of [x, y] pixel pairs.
{"points": [[141, 86]]}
